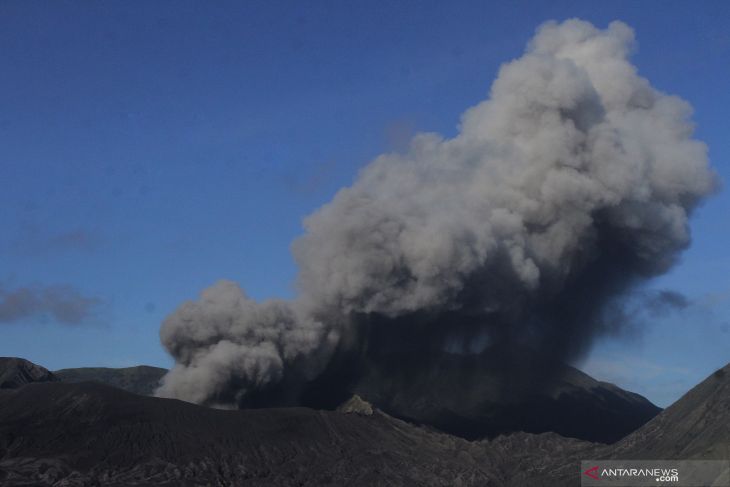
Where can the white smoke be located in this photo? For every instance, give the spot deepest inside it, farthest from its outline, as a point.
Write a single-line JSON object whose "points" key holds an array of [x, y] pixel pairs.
{"points": [[571, 146]]}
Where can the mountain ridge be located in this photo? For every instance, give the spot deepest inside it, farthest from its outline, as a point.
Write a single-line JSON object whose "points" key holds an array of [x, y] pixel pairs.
{"points": [[16, 372], [80, 434], [140, 379], [567, 404]]}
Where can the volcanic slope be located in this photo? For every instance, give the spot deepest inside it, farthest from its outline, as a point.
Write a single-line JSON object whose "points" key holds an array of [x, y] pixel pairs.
{"points": [[86, 432], [457, 394], [91, 434]]}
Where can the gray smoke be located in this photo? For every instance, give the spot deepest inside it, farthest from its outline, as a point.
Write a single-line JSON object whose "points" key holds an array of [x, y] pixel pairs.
{"points": [[571, 183], [225, 337]]}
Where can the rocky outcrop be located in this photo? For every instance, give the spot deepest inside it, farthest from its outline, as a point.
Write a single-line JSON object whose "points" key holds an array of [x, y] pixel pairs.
{"points": [[356, 405]]}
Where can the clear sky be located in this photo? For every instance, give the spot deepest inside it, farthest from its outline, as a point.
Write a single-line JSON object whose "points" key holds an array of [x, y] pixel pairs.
{"points": [[148, 149]]}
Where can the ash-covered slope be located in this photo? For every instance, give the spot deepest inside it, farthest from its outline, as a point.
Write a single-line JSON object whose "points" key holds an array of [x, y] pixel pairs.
{"points": [[91, 434], [696, 426], [77, 433], [15, 372], [468, 395], [141, 379]]}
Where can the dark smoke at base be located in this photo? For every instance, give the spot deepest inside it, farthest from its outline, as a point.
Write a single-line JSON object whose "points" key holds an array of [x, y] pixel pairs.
{"points": [[520, 354], [515, 240]]}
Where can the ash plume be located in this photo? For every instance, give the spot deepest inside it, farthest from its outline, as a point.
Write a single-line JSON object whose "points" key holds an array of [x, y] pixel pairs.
{"points": [[569, 185]]}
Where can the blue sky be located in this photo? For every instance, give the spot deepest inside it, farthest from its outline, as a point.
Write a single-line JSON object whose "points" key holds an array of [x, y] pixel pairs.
{"points": [[152, 148]]}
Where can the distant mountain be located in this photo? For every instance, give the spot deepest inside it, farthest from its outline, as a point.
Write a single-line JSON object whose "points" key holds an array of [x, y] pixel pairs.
{"points": [[91, 434], [142, 379], [15, 372]]}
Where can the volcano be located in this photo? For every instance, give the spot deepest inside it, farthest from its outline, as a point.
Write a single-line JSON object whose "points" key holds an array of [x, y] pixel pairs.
{"points": [[79, 434], [463, 395]]}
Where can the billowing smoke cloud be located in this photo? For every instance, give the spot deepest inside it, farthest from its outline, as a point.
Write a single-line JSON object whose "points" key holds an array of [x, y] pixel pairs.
{"points": [[227, 338], [62, 303], [572, 182]]}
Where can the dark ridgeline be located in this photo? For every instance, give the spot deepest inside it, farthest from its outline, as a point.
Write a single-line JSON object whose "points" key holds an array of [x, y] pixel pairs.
{"points": [[459, 394], [82, 434], [141, 379]]}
